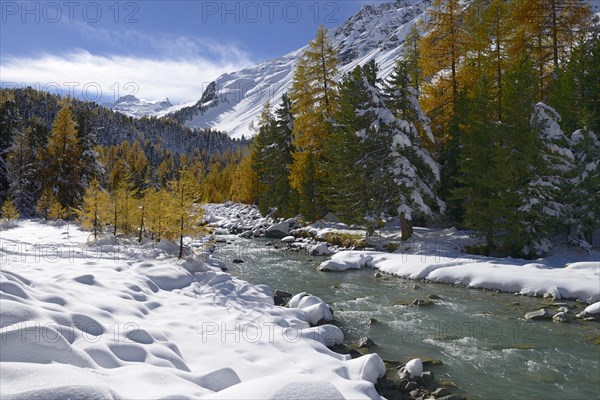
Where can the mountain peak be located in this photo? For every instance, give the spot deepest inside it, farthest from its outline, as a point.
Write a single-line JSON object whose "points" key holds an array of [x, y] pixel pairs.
{"points": [[136, 107], [235, 100]]}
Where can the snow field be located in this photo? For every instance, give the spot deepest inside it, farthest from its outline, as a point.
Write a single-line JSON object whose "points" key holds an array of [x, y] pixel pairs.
{"points": [[103, 321]]}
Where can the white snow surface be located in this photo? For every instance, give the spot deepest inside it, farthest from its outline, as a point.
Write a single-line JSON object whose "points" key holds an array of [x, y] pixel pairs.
{"points": [[577, 280], [102, 321]]}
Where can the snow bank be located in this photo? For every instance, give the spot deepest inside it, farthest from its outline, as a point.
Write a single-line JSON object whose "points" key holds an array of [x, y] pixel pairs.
{"points": [[100, 321], [578, 280]]}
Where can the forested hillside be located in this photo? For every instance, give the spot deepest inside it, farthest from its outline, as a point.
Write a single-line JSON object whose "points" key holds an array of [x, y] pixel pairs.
{"points": [[53, 150], [488, 121]]}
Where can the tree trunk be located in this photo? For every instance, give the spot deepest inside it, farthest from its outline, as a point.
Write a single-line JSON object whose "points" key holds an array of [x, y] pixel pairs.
{"points": [[181, 240], [405, 227]]}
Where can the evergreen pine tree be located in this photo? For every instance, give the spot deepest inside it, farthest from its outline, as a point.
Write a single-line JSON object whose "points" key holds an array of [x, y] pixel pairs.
{"points": [[480, 190], [583, 207], [60, 161], [22, 172]]}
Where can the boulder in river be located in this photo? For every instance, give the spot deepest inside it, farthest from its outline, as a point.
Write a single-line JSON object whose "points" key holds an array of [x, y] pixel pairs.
{"points": [[542, 313], [427, 377], [414, 367], [288, 239], [561, 317], [421, 303], [365, 342], [238, 261], [591, 312], [441, 392], [278, 231]]}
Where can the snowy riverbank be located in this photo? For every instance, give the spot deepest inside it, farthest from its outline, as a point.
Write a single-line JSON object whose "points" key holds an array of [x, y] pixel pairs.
{"points": [[435, 255], [579, 280], [112, 321]]}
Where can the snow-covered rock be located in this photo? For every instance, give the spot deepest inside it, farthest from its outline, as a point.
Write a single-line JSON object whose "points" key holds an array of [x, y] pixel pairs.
{"points": [[288, 239], [315, 309], [591, 311], [414, 367]]}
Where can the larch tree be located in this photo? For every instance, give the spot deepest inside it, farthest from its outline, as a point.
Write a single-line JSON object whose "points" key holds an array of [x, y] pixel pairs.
{"points": [[94, 200], [441, 50], [314, 103], [9, 211], [547, 30], [49, 206], [60, 161], [185, 217]]}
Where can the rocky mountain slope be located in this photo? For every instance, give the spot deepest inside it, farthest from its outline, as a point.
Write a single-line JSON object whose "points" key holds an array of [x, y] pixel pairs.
{"points": [[134, 107], [232, 103]]}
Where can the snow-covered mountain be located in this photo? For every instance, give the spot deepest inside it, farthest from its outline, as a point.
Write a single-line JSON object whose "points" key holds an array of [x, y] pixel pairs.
{"points": [[234, 101], [134, 107]]}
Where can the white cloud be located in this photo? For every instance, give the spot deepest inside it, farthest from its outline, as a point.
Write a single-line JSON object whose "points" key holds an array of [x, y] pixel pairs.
{"points": [[177, 67], [180, 80]]}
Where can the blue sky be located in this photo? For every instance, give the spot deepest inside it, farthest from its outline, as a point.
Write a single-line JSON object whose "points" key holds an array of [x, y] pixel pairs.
{"points": [[166, 48]]}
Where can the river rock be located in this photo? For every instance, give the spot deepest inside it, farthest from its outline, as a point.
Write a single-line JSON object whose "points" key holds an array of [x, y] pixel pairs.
{"points": [[539, 314], [561, 317], [410, 386], [320, 249], [378, 275], [281, 298], [415, 287], [421, 303], [563, 310], [570, 307], [288, 239], [403, 373], [433, 297], [278, 231], [238, 261], [451, 397], [257, 232], [592, 310], [245, 235], [365, 342], [441, 392], [590, 313], [427, 377], [282, 293]]}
